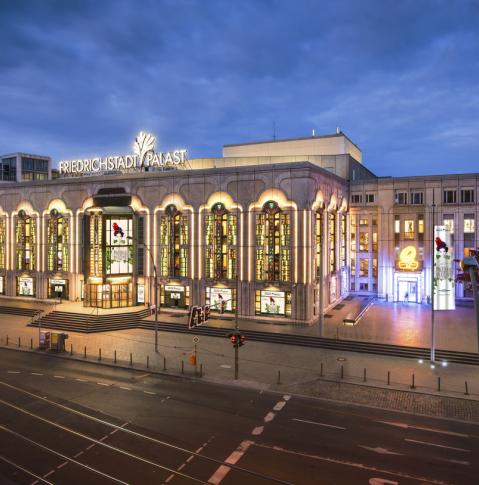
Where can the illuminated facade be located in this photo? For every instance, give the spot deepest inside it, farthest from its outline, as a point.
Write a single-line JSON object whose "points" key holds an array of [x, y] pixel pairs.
{"points": [[281, 229]]}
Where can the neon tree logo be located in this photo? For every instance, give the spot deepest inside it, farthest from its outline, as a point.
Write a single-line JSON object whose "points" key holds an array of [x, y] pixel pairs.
{"points": [[144, 156]]}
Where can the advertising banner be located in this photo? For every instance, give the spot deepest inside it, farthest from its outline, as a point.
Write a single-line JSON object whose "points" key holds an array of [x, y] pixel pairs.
{"points": [[219, 295], [443, 277], [119, 246], [273, 302], [140, 293], [25, 286]]}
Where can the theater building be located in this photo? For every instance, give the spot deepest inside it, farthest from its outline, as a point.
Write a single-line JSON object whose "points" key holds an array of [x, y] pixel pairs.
{"points": [[280, 229]]}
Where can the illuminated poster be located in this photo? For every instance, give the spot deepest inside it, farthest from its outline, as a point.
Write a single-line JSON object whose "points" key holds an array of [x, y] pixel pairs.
{"points": [[25, 286], [273, 302], [443, 282], [140, 293], [118, 257], [219, 295], [1, 285]]}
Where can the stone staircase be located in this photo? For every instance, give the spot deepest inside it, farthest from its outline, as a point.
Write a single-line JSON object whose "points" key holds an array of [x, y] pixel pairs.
{"points": [[25, 312], [89, 323]]}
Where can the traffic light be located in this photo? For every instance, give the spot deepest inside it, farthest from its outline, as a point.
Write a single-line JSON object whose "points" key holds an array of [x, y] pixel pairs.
{"points": [[242, 339], [234, 339], [237, 339]]}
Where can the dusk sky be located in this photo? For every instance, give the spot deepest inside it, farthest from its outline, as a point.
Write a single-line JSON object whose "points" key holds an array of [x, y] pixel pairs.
{"points": [[400, 78]]}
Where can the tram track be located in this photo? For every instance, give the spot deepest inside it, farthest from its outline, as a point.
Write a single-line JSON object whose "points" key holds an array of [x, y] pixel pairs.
{"points": [[128, 455]]}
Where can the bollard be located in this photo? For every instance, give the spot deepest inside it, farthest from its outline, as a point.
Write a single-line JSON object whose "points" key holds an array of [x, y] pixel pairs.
{"points": [[99, 354], [19, 341], [115, 357], [147, 361], [364, 375], [438, 384], [131, 358], [31, 343], [467, 388], [182, 367], [321, 371], [7, 339], [71, 349], [389, 378], [201, 370], [412, 383], [84, 352], [279, 377], [164, 363], [342, 371]]}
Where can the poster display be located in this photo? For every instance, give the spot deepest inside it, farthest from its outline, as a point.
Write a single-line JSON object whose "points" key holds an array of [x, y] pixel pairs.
{"points": [[219, 295], [25, 286], [273, 302], [443, 277], [140, 293], [119, 249], [1, 285]]}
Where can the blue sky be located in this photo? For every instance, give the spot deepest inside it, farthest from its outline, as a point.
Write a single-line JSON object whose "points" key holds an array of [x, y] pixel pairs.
{"points": [[400, 78]]}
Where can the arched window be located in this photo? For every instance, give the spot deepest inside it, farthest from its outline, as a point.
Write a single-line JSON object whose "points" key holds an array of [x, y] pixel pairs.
{"points": [[342, 248], [220, 244], [318, 241], [57, 242], [174, 243], [332, 242], [25, 241], [273, 244], [3, 243]]}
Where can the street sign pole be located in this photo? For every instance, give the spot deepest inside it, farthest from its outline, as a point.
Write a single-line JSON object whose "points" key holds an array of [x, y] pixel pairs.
{"points": [[236, 360], [472, 274]]}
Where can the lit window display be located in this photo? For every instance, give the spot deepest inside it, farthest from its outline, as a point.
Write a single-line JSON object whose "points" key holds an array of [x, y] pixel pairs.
{"points": [[119, 245], [332, 242], [3, 244], [175, 296], [273, 244], [57, 242], [25, 286], [342, 249], [221, 299], [318, 241], [25, 241], [274, 303], [174, 243], [220, 243], [364, 241], [96, 245]]}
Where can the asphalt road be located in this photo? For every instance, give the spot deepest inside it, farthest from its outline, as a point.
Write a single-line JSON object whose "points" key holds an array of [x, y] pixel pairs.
{"points": [[70, 422]]}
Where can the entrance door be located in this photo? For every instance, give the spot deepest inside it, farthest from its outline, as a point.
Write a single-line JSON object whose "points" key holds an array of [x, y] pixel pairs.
{"points": [[407, 291]]}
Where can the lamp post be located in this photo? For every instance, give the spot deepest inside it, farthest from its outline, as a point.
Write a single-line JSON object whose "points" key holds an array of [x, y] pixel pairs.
{"points": [[433, 329]]}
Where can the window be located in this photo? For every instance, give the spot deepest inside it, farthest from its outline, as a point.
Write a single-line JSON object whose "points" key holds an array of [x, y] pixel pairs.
{"points": [[420, 228], [318, 241], [118, 245], [363, 222], [417, 198], [353, 266], [450, 196], [400, 198], [369, 198], [34, 169], [469, 226], [375, 242], [332, 242], [3, 244], [364, 241], [356, 198], [57, 242], [273, 244], [467, 196], [409, 229], [397, 230], [8, 169], [26, 242], [342, 247], [174, 243], [449, 223], [353, 241], [375, 268], [364, 267]]}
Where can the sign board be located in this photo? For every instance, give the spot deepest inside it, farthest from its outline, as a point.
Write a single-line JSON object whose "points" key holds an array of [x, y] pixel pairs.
{"points": [[195, 318], [443, 277], [140, 293], [55, 281], [25, 286], [219, 295], [407, 260], [175, 288], [273, 302], [144, 156]]}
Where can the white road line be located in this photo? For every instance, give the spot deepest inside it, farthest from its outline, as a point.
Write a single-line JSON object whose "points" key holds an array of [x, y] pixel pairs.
{"points": [[13, 372], [279, 405], [286, 397], [49, 473], [456, 462], [125, 388], [437, 445], [257, 431], [181, 467], [78, 454], [269, 417], [59, 377], [223, 470], [36, 374], [423, 428], [62, 465], [151, 393], [81, 380], [318, 424], [28, 472], [169, 478], [102, 384]]}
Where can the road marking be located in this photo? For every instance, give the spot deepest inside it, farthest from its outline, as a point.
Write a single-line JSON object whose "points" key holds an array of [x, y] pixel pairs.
{"points": [[437, 445], [141, 376], [125, 388], [279, 405], [13, 372], [257, 431], [78, 454], [102, 384], [81, 380], [318, 424], [380, 451], [181, 467], [151, 393], [59, 377], [456, 462], [269, 417], [36, 374], [423, 428], [49, 473], [62, 465], [381, 481], [223, 470], [361, 466], [286, 397]]}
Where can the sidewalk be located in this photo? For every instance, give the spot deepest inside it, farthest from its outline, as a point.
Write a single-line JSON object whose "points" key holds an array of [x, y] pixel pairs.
{"points": [[280, 367]]}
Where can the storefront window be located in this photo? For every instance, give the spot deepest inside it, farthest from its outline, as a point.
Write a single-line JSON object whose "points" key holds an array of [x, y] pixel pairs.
{"points": [[364, 267], [3, 243], [26, 241], [342, 249], [57, 242], [332, 242], [25, 286], [221, 244], [273, 244], [409, 229], [274, 303], [318, 241], [174, 243], [221, 299]]}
